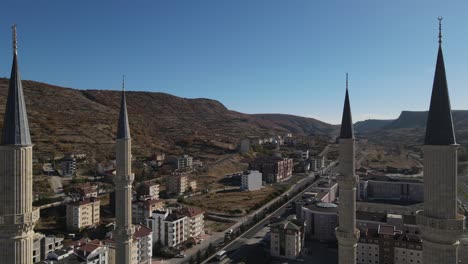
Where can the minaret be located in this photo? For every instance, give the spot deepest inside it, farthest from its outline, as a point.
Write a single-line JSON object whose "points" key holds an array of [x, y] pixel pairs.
{"points": [[123, 188], [17, 215], [440, 224], [347, 234]]}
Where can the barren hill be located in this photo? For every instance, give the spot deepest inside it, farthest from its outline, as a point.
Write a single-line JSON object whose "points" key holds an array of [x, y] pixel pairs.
{"points": [[409, 128], [70, 120]]}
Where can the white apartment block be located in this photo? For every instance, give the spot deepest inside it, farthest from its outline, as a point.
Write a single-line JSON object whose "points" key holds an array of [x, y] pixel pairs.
{"points": [[168, 228], [195, 221], [83, 214], [251, 181]]}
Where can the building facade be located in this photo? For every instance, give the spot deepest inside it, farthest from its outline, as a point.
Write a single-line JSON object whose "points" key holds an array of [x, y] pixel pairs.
{"points": [[83, 214], [287, 238], [177, 183], [251, 181], [168, 228], [273, 169], [141, 210]]}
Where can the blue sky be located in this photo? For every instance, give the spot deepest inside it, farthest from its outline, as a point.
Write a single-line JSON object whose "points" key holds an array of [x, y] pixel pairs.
{"points": [[255, 56]]}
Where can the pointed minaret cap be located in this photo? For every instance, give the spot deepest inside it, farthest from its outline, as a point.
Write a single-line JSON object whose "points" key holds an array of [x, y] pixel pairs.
{"points": [[439, 128], [346, 121], [123, 129], [15, 124]]}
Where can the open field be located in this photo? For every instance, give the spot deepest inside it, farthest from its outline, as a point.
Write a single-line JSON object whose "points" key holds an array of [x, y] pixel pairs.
{"points": [[215, 226], [232, 201]]}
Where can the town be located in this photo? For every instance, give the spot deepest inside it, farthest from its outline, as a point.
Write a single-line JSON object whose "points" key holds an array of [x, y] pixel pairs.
{"points": [[273, 196]]}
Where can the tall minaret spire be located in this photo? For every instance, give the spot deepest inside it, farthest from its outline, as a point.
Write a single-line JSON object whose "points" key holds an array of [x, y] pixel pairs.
{"points": [[347, 234], [16, 127], [123, 186], [440, 224], [17, 214]]}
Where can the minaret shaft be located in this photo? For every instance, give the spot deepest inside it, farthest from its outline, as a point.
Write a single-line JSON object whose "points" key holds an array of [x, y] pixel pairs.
{"points": [[440, 224], [123, 188], [347, 234], [16, 211], [17, 215]]}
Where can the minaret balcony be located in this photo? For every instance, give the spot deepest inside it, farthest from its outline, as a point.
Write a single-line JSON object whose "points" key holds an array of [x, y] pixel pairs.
{"points": [[344, 237], [19, 219]]}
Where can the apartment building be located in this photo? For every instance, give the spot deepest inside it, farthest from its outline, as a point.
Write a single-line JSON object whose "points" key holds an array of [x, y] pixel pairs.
{"points": [[287, 238], [176, 183], [148, 189], [83, 214], [168, 228], [43, 245], [388, 245], [273, 169], [68, 166], [195, 221], [251, 181], [141, 210]]}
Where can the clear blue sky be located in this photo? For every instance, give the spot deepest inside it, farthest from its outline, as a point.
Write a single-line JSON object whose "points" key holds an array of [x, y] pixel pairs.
{"points": [[255, 56]]}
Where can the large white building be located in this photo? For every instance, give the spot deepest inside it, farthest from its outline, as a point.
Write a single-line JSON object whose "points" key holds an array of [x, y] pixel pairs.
{"points": [[251, 181], [168, 228]]}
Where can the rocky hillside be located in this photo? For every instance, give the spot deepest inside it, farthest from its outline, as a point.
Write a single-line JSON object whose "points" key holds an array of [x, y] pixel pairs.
{"points": [[70, 120], [409, 128]]}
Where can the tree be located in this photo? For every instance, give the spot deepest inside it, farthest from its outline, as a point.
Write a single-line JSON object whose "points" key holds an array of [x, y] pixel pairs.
{"points": [[191, 261]]}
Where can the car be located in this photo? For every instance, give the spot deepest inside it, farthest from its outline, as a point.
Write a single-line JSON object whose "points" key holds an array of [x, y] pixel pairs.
{"points": [[300, 259], [180, 256]]}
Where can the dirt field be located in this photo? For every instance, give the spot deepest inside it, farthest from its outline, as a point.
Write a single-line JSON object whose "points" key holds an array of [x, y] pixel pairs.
{"points": [[231, 201], [213, 226]]}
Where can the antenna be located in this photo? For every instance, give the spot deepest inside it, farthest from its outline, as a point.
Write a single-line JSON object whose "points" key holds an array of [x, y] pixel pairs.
{"points": [[15, 40], [440, 30], [346, 81]]}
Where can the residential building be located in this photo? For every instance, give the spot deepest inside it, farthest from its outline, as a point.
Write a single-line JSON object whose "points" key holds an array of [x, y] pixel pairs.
{"points": [[195, 221], [85, 190], [176, 183], [83, 214], [193, 185], [82, 252], [157, 160], [273, 169], [148, 189], [317, 163], [143, 240], [168, 228], [69, 166], [43, 245], [287, 238], [386, 244], [251, 181], [141, 210], [184, 162], [302, 154]]}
